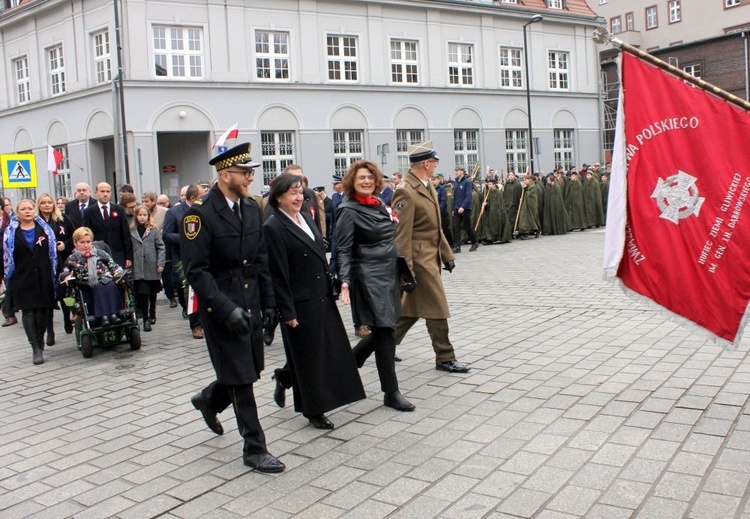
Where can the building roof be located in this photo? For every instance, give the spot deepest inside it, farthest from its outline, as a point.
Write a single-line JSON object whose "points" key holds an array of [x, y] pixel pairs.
{"points": [[578, 8]]}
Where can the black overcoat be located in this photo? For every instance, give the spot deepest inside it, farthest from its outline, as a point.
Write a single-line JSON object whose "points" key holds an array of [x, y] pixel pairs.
{"points": [[324, 372], [63, 230], [226, 263], [115, 232], [31, 282], [366, 261]]}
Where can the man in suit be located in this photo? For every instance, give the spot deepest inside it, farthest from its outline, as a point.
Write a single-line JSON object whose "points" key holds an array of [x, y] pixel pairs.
{"points": [[75, 208], [420, 240], [109, 224], [171, 235]]}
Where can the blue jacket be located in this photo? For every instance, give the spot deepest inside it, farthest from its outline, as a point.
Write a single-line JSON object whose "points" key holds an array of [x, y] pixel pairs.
{"points": [[462, 194], [442, 195]]}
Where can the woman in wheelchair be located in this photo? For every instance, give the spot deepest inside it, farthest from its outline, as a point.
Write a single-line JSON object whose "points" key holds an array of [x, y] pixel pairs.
{"points": [[97, 275]]}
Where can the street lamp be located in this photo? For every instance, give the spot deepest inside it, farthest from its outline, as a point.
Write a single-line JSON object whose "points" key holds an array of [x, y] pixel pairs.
{"points": [[530, 141]]}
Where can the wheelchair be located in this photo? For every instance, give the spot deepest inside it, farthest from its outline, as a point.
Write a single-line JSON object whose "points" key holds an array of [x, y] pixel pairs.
{"points": [[89, 330]]}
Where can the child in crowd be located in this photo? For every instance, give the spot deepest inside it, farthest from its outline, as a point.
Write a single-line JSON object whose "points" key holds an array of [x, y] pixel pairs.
{"points": [[95, 268], [148, 263]]}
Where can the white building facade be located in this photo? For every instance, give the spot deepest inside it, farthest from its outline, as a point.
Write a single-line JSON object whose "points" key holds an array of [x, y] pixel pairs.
{"points": [[315, 82]]}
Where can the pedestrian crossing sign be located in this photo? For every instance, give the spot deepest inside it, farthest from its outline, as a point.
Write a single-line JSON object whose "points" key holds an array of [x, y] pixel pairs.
{"points": [[19, 170]]}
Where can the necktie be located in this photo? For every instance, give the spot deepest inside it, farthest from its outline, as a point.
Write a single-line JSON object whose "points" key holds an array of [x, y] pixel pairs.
{"points": [[83, 208], [105, 212], [237, 210]]}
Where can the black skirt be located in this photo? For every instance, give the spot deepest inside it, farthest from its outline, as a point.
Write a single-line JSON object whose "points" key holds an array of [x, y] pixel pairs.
{"points": [[144, 287]]}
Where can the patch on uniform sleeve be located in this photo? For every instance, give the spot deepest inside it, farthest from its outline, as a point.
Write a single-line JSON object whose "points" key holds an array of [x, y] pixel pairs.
{"points": [[400, 205], [191, 226]]}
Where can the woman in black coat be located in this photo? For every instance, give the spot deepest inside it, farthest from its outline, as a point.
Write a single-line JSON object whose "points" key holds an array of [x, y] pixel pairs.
{"points": [[30, 260], [63, 228], [320, 366], [366, 258]]}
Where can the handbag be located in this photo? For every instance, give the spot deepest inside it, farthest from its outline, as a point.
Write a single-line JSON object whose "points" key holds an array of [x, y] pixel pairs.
{"points": [[334, 286], [406, 279]]}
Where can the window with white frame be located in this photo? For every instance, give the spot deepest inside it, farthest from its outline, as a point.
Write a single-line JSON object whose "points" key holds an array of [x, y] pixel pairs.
{"points": [[178, 52], [558, 69], [731, 3], [694, 70], [629, 22], [555, 4], [460, 64], [102, 57], [509, 1], [62, 179], [272, 55], [466, 149], [515, 151], [675, 11], [564, 148], [277, 152], [511, 71], [404, 62], [347, 148], [56, 70], [23, 84], [341, 52], [652, 20], [403, 139], [615, 25]]}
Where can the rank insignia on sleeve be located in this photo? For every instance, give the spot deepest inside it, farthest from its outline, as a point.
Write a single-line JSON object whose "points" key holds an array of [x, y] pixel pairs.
{"points": [[192, 226], [400, 205]]}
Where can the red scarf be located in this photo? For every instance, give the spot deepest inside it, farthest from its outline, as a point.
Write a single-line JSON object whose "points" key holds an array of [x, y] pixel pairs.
{"points": [[367, 200]]}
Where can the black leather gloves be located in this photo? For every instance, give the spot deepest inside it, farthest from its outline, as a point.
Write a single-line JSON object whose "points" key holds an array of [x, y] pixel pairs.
{"points": [[238, 322], [449, 266], [270, 318]]}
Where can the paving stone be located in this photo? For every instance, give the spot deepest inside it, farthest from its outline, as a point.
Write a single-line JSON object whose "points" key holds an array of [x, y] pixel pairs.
{"points": [[727, 483], [709, 506], [626, 494], [574, 500], [680, 487], [662, 508], [523, 502]]}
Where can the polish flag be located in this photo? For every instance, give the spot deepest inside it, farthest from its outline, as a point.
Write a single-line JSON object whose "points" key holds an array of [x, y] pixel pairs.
{"points": [[192, 302], [231, 133], [54, 158], [677, 228]]}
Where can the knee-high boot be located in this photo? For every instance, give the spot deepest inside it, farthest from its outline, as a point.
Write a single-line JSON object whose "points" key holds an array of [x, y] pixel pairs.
{"points": [[50, 328], [143, 305], [34, 334]]}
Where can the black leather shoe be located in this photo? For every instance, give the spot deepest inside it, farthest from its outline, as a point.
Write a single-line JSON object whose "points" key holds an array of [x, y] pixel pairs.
{"points": [[209, 415], [50, 338], [398, 402], [146, 325], [456, 250], [184, 314], [397, 358], [474, 247], [279, 392], [321, 422], [114, 319], [68, 327], [452, 366], [104, 321], [267, 338], [263, 462]]}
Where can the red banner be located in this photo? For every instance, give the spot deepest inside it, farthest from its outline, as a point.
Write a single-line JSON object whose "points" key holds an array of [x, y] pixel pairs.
{"points": [[683, 238]]}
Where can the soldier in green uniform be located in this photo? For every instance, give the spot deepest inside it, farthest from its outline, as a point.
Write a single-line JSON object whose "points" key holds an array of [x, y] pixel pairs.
{"points": [[513, 190]]}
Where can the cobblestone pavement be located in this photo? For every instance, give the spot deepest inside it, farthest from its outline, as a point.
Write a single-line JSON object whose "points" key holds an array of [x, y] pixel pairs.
{"points": [[580, 403]]}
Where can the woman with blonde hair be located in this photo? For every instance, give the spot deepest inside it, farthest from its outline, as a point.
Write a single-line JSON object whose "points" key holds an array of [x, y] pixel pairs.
{"points": [[149, 258], [63, 227]]}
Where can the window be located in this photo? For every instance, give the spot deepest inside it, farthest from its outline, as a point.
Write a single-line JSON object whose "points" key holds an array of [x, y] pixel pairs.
{"points": [[342, 58], [694, 70], [404, 67], [564, 148], [403, 139], [616, 25], [102, 57], [675, 11], [555, 4], [178, 52], [731, 3], [652, 21], [509, 1], [558, 70], [515, 151], [272, 55], [62, 179], [602, 2], [460, 64], [347, 148], [629, 22], [23, 85], [277, 152], [466, 148], [511, 75], [56, 70]]}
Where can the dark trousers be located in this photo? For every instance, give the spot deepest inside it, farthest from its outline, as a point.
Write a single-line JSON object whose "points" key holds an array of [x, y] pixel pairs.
{"points": [[438, 330], [463, 221], [147, 305], [166, 280], [383, 343], [219, 396], [445, 223], [34, 324]]}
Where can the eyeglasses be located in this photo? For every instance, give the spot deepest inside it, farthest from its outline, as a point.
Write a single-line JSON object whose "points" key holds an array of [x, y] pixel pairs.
{"points": [[248, 173], [436, 161]]}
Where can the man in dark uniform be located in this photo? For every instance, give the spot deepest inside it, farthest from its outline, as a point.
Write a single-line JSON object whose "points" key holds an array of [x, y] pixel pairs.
{"points": [[226, 263]]}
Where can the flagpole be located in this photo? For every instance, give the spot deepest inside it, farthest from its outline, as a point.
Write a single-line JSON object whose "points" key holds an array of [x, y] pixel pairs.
{"points": [[602, 36]]}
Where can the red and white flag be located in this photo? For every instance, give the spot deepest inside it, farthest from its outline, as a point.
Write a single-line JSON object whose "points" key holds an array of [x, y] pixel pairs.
{"points": [[677, 232], [231, 133], [54, 158], [192, 302]]}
